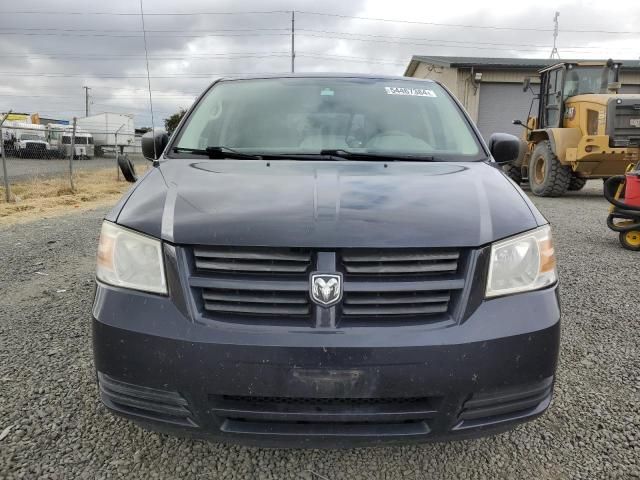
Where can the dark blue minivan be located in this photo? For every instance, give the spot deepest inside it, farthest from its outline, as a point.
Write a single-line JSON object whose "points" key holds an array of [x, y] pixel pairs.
{"points": [[326, 261]]}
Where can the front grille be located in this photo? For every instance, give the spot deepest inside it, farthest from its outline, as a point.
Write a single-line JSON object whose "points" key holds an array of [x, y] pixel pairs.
{"points": [[144, 402], [399, 262], [505, 404], [35, 146], [623, 123], [264, 285], [252, 260], [256, 302]]}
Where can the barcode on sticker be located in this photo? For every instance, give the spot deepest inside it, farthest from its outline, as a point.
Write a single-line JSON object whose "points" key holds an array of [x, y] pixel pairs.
{"points": [[413, 92]]}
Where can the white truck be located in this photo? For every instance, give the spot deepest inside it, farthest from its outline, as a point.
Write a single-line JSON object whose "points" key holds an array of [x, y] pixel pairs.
{"points": [[29, 140], [110, 131]]}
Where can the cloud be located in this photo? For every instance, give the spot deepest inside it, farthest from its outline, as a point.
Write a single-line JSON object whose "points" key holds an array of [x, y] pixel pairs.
{"points": [[47, 58]]}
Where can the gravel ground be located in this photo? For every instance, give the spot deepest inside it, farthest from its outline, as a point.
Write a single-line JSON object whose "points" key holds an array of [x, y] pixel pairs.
{"points": [[20, 169], [60, 430]]}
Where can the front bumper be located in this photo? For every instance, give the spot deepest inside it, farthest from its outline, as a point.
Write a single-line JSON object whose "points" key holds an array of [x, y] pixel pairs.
{"points": [[309, 387]]}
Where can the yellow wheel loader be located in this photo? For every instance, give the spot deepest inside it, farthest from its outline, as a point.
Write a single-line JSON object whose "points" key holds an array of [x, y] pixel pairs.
{"points": [[581, 128]]}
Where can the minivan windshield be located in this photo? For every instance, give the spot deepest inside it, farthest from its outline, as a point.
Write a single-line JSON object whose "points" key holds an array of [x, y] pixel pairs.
{"points": [[312, 115]]}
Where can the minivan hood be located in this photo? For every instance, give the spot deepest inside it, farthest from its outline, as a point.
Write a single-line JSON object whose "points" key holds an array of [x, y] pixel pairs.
{"points": [[327, 204]]}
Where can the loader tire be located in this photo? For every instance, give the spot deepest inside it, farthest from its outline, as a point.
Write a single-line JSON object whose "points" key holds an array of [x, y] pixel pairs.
{"points": [[547, 176], [577, 183], [513, 172]]}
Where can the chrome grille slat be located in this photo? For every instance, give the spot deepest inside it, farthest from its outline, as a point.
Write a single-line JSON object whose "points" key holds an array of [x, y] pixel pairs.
{"points": [[251, 266], [256, 308], [378, 299], [232, 296], [395, 310], [406, 267], [253, 255]]}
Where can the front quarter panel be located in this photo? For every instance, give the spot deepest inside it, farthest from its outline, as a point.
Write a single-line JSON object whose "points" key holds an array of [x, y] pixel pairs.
{"points": [[142, 206]]}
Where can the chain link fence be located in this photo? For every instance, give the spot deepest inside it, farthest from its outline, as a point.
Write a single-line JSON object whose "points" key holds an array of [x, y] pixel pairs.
{"points": [[33, 153]]}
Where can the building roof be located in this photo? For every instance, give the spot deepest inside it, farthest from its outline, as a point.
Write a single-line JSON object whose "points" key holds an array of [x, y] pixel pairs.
{"points": [[502, 63]]}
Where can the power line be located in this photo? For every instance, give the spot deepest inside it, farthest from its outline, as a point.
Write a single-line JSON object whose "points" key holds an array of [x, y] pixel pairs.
{"points": [[135, 14], [323, 14], [93, 30], [102, 97], [248, 33], [44, 56], [92, 75], [456, 25], [466, 42], [428, 44], [350, 59], [415, 22]]}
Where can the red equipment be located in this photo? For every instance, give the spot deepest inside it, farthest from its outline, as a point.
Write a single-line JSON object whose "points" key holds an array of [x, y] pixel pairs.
{"points": [[623, 192], [632, 189]]}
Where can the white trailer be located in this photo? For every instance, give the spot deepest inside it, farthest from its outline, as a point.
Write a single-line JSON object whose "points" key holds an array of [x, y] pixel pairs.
{"points": [[110, 131], [59, 137]]}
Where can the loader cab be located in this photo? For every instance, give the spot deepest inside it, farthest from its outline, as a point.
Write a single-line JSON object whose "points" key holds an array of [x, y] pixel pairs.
{"points": [[564, 80]]}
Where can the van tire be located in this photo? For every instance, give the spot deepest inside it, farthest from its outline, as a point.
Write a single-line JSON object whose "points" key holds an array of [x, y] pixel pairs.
{"points": [[513, 172], [577, 183], [547, 176]]}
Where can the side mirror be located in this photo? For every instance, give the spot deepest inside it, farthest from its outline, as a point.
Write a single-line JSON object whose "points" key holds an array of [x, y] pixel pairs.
{"points": [[526, 83], [504, 148], [153, 143], [127, 168], [518, 122]]}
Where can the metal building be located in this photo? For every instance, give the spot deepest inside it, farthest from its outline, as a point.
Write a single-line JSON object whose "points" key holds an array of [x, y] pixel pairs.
{"points": [[491, 88]]}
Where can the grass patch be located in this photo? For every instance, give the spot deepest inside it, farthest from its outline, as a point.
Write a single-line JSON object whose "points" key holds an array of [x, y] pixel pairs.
{"points": [[48, 197]]}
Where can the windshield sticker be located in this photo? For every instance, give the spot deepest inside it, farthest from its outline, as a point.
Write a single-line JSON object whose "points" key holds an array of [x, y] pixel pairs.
{"points": [[327, 92], [413, 92]]}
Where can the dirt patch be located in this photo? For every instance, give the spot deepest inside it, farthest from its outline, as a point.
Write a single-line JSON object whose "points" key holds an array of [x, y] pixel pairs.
{"points": [[49, 197]]}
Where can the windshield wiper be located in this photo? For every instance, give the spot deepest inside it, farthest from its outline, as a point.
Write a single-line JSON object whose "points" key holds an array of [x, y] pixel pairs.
{"points": [[379, 157], [218, 152]]}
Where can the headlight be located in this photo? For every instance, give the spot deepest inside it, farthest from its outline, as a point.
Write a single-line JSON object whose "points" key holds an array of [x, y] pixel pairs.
{"points": [[129, 259], [522, 263]]}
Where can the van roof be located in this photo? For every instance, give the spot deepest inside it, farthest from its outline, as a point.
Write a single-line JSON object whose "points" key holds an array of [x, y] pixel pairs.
{"points": [[370, 76]]}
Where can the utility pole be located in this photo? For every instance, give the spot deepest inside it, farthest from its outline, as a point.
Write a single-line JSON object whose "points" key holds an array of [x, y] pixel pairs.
{"points": [[293, 41], [86, 101], [7, 187], [71, 155], [554, 52]]}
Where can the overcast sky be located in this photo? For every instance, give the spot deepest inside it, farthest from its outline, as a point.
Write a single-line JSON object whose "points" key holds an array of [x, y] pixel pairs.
{"points": [[47, 57]]}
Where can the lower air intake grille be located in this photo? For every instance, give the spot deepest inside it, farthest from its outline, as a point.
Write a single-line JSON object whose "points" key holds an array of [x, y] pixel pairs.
{"points": [[505, 404], [304, 402], [325, 416], [252, 260], [148, 403]]}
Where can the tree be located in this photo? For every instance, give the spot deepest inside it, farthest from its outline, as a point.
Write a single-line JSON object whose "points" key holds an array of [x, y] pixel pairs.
{"points": [[171, 123]]}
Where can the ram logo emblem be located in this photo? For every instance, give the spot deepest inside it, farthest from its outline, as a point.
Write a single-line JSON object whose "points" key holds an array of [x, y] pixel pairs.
{"points": [[326, 288]]}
